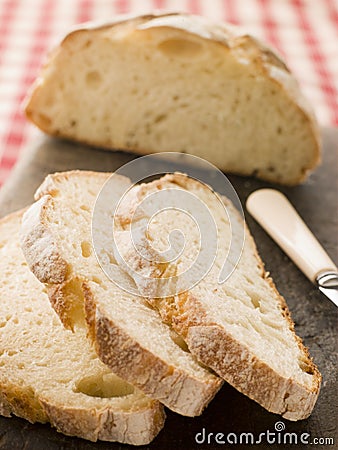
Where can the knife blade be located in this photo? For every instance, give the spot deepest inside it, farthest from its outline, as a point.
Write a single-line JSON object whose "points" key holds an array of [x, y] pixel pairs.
{"points": [[273, 211], [328, 285]]}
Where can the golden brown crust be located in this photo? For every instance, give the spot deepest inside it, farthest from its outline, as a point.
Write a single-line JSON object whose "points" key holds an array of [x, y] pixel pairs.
{"points": [[309, 365], [22, 402], [67, 301], [106, 424], [38, 397], [236, 363], [50, 184], [60, 305], [73, 300], [5, 407], [219, 350], [188, 317], [239, 367], [168, 384], [244, 47], [128, 359], [90, 310], [40, 247], [312, 368], [42, 251], [88, 423]]}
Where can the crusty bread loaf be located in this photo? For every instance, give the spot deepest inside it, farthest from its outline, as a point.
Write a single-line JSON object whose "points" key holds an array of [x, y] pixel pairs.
{"points": [[177, 82], [130, 337], [240, 328], [49, 374]]}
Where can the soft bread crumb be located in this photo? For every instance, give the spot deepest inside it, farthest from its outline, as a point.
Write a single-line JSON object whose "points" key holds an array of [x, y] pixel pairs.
{"points": [[49, 374], [180, 83], [240, 328], [87, 297]]}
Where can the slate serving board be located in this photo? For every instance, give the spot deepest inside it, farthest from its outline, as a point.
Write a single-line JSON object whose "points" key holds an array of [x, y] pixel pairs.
{"points": [[314, 316]]}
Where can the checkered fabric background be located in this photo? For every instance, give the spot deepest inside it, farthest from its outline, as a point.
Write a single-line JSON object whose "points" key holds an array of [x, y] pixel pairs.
{"points": [[304, 31]]}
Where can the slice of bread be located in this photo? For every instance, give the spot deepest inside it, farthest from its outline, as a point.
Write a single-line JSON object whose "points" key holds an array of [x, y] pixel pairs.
{"points": [[240, 328], [177, 82], [130, 337], [49, 374]]}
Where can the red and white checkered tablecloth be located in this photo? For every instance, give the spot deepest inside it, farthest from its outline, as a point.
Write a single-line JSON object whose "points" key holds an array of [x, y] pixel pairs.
{"points": [[304, 31]]}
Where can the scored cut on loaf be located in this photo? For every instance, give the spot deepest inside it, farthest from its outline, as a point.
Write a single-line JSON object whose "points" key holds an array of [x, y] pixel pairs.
{"points": [[130, 337], [178, 82], [241, 328], [49, 374]]}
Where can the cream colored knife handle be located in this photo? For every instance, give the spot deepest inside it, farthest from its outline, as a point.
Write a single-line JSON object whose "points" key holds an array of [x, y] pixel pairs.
{"points": [[278, 217]]}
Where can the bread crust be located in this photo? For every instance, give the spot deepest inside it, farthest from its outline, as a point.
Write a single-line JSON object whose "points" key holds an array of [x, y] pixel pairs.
{"points": [[178, 390], [251, 376], [59, 404], [135, 428], [20, 401], [211, 344], [44, 261], [49, 186], [137, 365], [236, 364], [233, 40], [41, 249], [219, 350]]}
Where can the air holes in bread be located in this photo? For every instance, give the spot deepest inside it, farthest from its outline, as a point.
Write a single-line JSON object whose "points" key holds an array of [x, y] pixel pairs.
{"points": [[93, 79], [305, 366], [180, 48], [86, 249], [104, 386], [255, 300], [96, 280], [179, 341]]}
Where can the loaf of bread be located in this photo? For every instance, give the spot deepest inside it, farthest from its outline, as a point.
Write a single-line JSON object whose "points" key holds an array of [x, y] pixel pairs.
{"points": [[182, 83], [49, 374], [129, 335], [241, 328]]}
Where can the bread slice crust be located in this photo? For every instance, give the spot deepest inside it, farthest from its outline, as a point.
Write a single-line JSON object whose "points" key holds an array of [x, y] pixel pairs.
{"points": [[75, 294], [213, 344], [227, 40], [31, 385], [236, 364]]}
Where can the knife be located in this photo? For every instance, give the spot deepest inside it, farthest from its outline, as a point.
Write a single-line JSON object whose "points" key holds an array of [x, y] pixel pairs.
{"points": [[273, 211]]}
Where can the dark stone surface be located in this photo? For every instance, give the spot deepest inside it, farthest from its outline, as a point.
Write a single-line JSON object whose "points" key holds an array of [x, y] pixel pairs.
{"points": [[315, 317]]}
